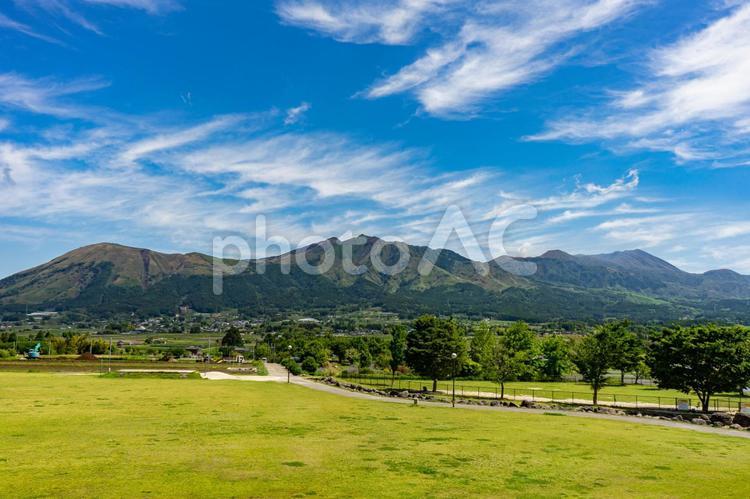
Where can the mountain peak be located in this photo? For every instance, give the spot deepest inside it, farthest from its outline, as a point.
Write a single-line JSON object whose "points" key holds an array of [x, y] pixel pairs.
{"points": [[636, 259], [556, 255]]}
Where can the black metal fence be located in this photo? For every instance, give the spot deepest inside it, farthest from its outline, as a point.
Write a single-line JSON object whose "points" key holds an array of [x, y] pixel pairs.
{"points": [[493, 391]]}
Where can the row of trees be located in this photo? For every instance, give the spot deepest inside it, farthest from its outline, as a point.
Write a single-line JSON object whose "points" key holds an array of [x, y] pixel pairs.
{"points": [[706, 359], [494, 353], [67, 343]]}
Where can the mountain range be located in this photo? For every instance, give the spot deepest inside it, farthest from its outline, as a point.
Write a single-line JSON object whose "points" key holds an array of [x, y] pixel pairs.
{"points": [[109, 279]]}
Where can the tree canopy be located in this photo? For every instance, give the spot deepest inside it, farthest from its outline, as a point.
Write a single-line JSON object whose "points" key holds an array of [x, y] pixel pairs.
{"points": [[704, 359], [594, 355], [232, 338], [430, 346]]}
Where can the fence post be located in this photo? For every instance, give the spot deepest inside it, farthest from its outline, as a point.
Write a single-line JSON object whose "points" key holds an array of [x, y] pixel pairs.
{"points": [[614, 400], [572, 397], [636, 401], [659, 402], [533, 395], [495, 393]]}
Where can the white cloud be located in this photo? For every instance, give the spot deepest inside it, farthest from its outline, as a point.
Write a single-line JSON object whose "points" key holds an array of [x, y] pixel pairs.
{"points": [[392, 22], [622, 209], [54, 13], [695, 102], [487, 47], [150, 6], [584, 196], [8, 23], [58, 9], [295, 114], [47, 96], [175, 139]]}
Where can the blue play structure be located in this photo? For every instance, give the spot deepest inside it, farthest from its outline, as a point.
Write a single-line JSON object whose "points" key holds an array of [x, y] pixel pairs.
{"points": [[34, 353]]}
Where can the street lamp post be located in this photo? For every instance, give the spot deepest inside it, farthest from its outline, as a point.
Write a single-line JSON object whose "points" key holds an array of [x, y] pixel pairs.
{"points": [[289, 366], [454, 356]]}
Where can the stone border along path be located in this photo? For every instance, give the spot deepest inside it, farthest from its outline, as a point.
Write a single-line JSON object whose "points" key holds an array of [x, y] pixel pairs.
{"points": [[278, 373]]}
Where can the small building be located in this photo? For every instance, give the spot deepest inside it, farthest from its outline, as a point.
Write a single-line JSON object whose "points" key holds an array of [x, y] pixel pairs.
{"points": [[37, 316], [308, 320], [237, 359], [195, 352]]}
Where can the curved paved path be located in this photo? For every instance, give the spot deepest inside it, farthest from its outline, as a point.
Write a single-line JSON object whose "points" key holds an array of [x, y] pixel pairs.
{"points": [[278, 373]]}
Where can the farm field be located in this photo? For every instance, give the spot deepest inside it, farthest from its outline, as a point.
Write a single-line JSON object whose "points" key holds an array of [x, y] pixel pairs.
{"points": [[85, 435]]}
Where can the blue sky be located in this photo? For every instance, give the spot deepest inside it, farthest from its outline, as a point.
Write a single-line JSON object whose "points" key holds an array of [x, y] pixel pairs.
{"points": [[164, 123]]}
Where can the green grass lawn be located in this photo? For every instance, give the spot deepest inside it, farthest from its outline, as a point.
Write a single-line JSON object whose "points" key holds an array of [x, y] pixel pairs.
{"points": [[66, 435], [622, 393]]}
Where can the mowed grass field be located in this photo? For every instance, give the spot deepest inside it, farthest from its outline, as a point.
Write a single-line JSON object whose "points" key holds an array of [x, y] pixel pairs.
{"points": [[89, 436]]}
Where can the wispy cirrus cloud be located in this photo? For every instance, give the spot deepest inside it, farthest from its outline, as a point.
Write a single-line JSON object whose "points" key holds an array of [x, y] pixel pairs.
{"points": [[487, 47], [393, 22], [694, 104], [47, 96], [8, 23], [45, 15], [175, 138], [150, 6], [295, 114], [59, 9], [584, 196]]}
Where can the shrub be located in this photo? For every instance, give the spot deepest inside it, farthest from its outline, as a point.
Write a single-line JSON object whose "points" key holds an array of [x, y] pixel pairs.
{"points": [[292, 365], [310, 365]]}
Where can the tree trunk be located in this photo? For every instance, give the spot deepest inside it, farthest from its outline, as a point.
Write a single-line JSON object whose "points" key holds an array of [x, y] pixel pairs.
{"points": [[705, 402], [434, 385], [622, 377], [596, 394], [637, 377], [502, 390]]}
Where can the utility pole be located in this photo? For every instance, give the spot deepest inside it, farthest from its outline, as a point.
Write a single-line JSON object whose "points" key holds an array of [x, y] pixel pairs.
{"points": [[289, 367], [453, 398]]}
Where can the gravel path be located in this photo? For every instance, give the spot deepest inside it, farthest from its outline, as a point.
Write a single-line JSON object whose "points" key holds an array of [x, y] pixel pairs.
{"points": [[278, 373]]}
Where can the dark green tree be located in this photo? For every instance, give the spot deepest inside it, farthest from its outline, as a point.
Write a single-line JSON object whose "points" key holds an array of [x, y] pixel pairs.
{"points": [[481, 343], [629, 349], [555, 353], [397, 348], [429, 347], [704, 359], [593, 356], [232, 338], [503, 363]]}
